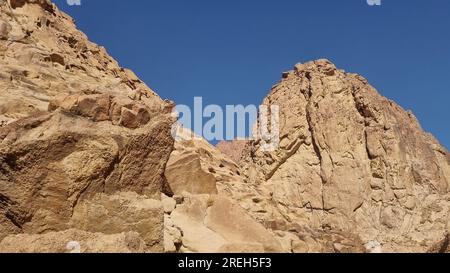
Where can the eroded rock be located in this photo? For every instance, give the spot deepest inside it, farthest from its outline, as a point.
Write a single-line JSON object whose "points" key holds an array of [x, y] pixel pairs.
{"points": [[83, 142], [351, 161], [73, 241], [211, 223]]}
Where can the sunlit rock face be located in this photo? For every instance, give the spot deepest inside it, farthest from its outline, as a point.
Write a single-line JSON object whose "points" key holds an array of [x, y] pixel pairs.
{"points": [[82, 140], [354, 172], [350, 162]]}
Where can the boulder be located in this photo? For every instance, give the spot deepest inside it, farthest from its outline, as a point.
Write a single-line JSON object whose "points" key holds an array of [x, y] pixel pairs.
{"points": [[211, 223], [195, 166]]}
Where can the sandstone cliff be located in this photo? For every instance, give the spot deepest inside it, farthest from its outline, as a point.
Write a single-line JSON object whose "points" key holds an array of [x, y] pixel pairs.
{"points": [[351, 162], [354, 171], [83, 142]]}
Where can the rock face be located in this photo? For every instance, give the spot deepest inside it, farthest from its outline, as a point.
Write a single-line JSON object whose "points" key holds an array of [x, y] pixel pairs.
{"points": [[124, 212], [236, 215], [196, 167], [354, 172], [213, 223], [61, 242], [353, 162], [83, 142], [204, 220], [234, 149]]}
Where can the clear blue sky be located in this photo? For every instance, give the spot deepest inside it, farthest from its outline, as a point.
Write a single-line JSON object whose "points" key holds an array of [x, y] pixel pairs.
{"points": [[233, 51]]}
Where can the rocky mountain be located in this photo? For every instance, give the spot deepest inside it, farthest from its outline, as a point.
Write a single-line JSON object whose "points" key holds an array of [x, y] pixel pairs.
{"points": [[354, 172], [83, 142], [351, 165], [88, 162]]}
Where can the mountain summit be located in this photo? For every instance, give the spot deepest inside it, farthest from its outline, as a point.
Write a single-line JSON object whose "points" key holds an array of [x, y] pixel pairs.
{"points": [[351, 161]]}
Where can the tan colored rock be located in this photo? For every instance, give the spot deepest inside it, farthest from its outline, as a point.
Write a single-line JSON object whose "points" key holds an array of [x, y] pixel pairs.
{"points": [[351, 161], [232, 222], [354, 172], [120, 110], [5, 28], [73, 241], [189, 220], [211, 223], [43, 55], [62, 160], [168, 203], [74, 125], [173, 239], [242, 248], [124, 212], [443, 246], [233, 149], [195, 166]]}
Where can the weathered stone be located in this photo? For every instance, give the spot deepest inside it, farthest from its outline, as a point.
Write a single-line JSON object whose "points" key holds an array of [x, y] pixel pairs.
{"points": [[354, 171], [168, 203], [73, 241], [195, 166], [124, 212], [211, 223], [352, 161], [5, 28], [76, 134], [234, 149]]}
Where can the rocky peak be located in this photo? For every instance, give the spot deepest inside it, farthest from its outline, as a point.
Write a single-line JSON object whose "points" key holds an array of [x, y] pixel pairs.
{"points": [[352, 161], [43, 55], [83, 142], [46, 5], [354, 171]]}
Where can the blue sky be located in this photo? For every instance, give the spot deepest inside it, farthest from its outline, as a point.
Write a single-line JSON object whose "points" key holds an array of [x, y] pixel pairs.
{"points": [[233, 51]]}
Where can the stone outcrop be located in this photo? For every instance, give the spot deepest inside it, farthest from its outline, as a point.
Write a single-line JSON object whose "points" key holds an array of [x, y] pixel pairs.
{"points": [[124, 212], [213, 223], [234, 149], [354, 171], [83, 142], [351, 161], [195, 166], [198, 218], [244, 212], [62, 242]]}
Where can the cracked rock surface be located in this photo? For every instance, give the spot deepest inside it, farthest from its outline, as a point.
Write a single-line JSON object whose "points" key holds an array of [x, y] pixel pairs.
{"points": [[350, 162], [83, 142]]}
